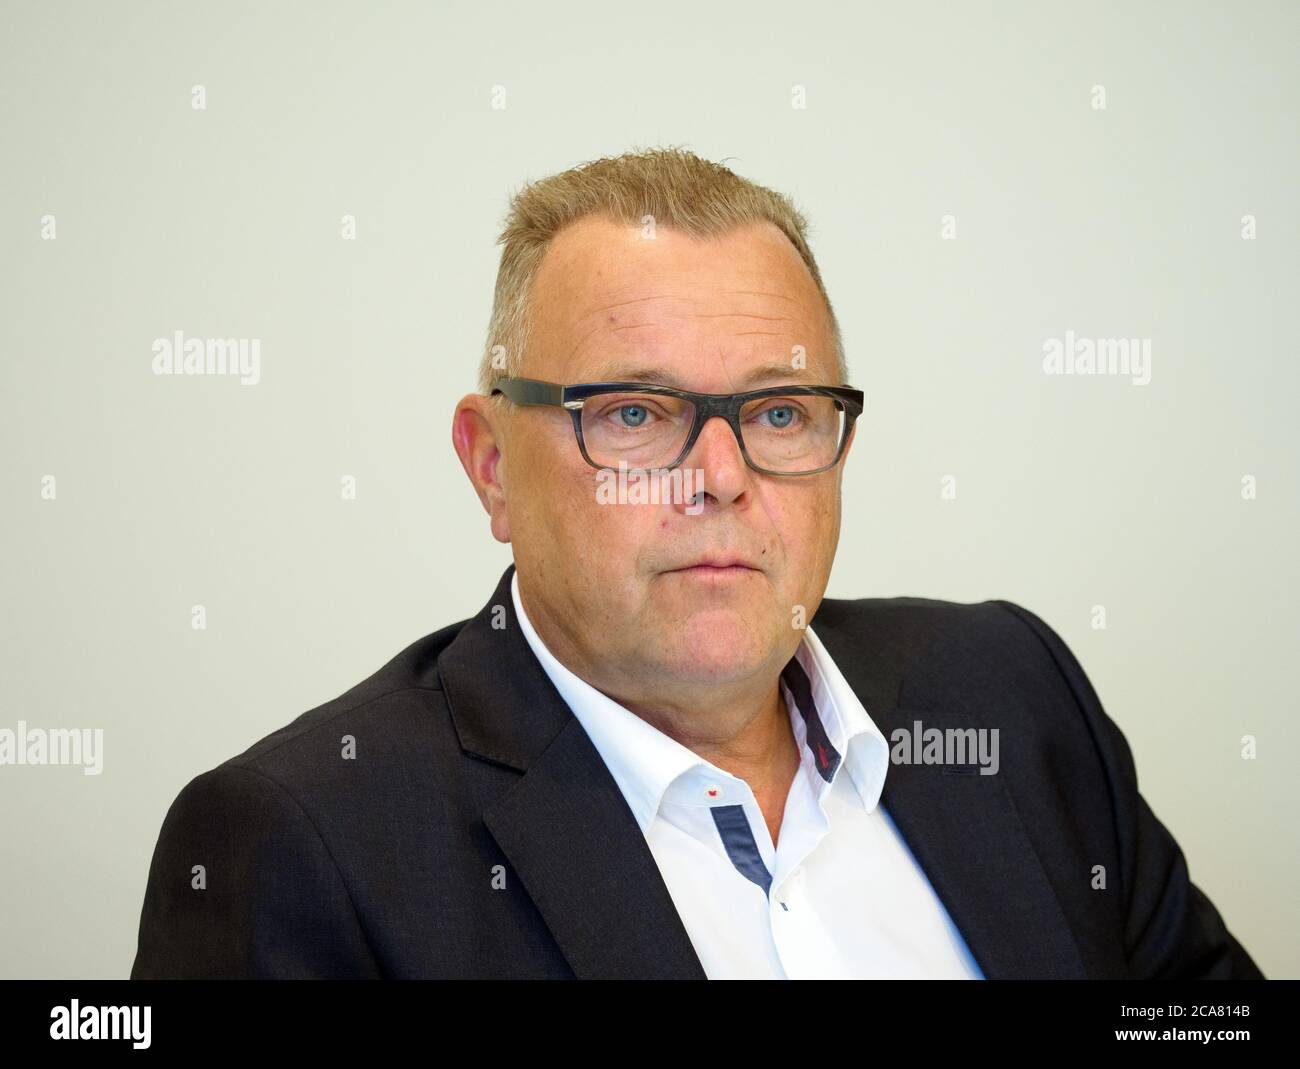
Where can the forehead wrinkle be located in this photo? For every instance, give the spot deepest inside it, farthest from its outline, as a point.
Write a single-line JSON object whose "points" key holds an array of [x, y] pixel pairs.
{"points": [[737, 334], [616, 304], [636, 300], [597, 310], [696, 315], [617, 370], [765, 293], [740, 315], [584, 339]]}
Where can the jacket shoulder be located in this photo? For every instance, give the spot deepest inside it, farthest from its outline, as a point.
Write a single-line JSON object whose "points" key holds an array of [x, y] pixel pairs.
{"points": [[411, 674], [915, 623], [267, 823]]}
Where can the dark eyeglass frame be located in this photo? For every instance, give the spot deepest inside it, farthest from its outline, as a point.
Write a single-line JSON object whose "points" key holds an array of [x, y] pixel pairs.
{"points": [[707, 405]]}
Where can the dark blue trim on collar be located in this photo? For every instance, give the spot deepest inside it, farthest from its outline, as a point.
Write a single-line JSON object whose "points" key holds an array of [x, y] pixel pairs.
{"points": [[825, 756]]}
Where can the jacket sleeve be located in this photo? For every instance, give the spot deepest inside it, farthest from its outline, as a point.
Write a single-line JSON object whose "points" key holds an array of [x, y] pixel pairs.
{"points": [[1172, 930], [242, 887]]}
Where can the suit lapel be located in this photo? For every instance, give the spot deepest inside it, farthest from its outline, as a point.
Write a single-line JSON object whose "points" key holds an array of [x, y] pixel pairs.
{"points": [[964, 831], [962, 828], [565, 826]]}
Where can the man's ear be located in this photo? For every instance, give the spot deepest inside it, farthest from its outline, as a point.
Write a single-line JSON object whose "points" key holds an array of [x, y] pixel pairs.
{"points": [[853, 434], [476, 435]]}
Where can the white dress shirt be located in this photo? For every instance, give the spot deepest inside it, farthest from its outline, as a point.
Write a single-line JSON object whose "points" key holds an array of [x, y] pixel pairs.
{"points": [[838, 897]]}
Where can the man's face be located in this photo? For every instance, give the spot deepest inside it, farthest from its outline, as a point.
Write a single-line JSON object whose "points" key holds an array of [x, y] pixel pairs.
{"points": [[602, 582]]}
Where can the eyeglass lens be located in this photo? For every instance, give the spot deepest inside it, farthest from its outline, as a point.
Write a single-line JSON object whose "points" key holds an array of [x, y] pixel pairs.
{"points": [[791, 434]]}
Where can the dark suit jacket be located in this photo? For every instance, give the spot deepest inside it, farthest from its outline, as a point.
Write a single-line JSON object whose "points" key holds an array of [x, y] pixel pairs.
{"points": [[478, 833]]}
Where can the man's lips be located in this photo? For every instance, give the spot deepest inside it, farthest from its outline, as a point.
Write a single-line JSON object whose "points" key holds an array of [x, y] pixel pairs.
{"points": [[716, 566]]}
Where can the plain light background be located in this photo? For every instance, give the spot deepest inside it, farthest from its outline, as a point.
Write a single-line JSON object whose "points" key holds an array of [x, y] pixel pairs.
{"points": [[1071, 491]]}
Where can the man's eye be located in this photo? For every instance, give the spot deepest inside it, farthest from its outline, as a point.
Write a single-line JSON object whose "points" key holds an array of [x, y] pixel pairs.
{"points": [[783, 416], [633, 415], [630, 416]]}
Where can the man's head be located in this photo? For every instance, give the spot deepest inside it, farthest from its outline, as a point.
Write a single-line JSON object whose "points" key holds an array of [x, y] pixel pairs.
{"points": [[657, 260]]}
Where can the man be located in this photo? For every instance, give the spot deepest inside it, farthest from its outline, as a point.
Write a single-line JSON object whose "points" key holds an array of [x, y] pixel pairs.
{"points": [[658, 751]]}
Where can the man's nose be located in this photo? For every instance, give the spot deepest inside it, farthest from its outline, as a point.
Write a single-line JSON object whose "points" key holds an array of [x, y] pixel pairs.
{"points": [[716, 456]]}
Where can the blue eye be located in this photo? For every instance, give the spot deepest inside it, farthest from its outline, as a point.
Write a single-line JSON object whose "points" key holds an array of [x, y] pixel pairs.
{"points": [[632, 408], [783, 417]]}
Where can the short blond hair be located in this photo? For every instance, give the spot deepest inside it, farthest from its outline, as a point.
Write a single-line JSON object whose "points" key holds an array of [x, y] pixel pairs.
{"points": [[674, 186]]}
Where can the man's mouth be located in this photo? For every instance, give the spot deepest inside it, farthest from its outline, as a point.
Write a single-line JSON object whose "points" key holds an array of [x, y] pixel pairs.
{"points": [[716, 568]]}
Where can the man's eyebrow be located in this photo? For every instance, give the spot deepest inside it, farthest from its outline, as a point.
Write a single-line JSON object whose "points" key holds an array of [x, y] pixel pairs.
{"points": [[660, 376]]}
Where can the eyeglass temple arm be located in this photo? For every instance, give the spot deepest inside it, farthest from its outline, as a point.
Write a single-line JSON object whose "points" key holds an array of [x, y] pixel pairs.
{"points": [[530, 391]]}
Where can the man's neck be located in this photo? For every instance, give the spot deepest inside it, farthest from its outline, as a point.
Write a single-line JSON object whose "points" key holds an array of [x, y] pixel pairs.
{"points": [[742, 726], [762, 751]]}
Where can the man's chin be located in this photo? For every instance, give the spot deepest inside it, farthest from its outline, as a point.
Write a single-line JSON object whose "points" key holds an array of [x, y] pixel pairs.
{"points": [[715, 644]]}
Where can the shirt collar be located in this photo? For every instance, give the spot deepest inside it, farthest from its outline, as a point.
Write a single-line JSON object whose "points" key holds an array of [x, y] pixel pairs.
{"points": [[646, 763]]}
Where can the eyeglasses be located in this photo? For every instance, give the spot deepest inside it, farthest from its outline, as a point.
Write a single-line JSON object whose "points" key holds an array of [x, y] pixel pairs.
{"points": [[782, 430]]}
